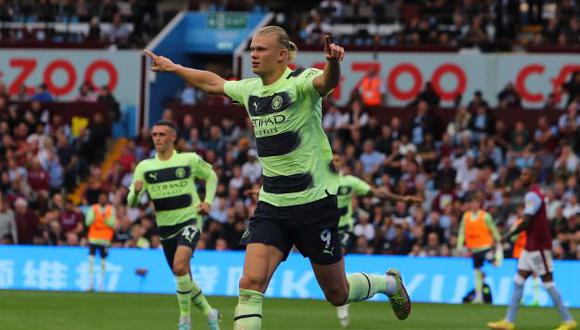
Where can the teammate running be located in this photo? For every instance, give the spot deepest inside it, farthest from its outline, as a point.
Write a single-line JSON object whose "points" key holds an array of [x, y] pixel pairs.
{"points": [[349, 186], [297, 203], [168, 179]]}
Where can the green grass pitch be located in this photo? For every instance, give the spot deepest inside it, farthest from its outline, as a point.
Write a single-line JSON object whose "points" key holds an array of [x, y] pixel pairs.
{"points": [[83, 311]]}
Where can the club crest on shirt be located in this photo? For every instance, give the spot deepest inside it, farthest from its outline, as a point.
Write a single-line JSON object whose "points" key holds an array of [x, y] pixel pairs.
{"points": [[180, 173], [277, 102]]}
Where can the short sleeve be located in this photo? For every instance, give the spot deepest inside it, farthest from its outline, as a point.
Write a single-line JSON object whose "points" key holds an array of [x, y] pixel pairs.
{"points": [[533, 203], [306, 81], [236, 90]]}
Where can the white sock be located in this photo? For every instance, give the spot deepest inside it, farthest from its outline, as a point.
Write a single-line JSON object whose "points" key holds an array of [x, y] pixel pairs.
{"points": [[342, 311]]}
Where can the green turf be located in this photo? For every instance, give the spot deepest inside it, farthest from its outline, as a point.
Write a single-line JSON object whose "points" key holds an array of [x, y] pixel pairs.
{"points": [[80, 311]]}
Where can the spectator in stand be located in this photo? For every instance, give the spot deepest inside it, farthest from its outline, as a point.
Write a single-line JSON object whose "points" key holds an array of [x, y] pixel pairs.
{"points": [[188, 95], [22, 96], [38, 178], [476, 34], [572, 88], [313, 32], [422, 123], [118, 33], [252, 168], [481, 123], [509, 98], [42, 94], [371, 159], [231, 132], [86, 93], [333, 120], [331, 8], [567, 160], [429, 95], [400, 244], [477, 101], [94, 33], [459, 127], [71, 219], [551, 102], [569, 123], [8, 228], [27, 222], [106, 97]]}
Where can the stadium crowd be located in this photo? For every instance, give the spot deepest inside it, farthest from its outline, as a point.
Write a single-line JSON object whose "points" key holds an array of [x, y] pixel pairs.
{"points": [[475, 154], [128, 24], [463, 23], [490, 25]]}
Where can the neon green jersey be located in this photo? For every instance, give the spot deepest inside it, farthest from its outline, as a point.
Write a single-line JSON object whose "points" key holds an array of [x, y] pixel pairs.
{"points": [[292, 147], [170, 185], [348, 186]]}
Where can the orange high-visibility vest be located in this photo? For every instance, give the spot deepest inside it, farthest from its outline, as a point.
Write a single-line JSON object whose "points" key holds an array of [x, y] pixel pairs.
{"points": [[477, 234], [99, 229], [371, 91], [520, 242]]}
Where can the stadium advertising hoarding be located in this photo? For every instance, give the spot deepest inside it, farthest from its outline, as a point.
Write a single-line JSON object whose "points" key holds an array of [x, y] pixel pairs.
{"points": [[403, 75], [64, 71], [438, 280]]}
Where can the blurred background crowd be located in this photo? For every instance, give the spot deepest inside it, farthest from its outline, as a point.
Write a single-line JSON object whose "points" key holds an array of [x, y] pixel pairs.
{"points": [[44, 160]]}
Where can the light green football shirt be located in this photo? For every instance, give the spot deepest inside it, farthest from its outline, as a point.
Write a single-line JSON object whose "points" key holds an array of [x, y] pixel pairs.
{"points": [[292, 147], [348, 186], [170, 185]]}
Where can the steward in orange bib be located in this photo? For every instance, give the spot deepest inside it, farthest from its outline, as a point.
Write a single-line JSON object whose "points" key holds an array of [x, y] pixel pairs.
{"points": [[370, 89], [480, 235], [101, 221]]}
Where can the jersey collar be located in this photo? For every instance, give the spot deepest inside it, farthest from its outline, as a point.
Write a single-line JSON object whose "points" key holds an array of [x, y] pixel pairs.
{"points": [[173, 154], [279, 81]]}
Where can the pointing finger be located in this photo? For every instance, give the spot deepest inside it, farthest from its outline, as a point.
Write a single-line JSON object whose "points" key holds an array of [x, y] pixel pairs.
{"points": [[327, 44], [149, 54]]}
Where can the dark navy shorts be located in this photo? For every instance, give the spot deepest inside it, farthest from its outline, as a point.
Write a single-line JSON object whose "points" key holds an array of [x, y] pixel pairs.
{"points": [[187, 236], [312, 228]]}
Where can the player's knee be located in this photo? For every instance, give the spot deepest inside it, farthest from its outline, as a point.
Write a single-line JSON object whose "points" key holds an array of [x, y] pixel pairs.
{"points": [[337, 297], [549, 285], [253, 282], [519, 279], [180, 269]]}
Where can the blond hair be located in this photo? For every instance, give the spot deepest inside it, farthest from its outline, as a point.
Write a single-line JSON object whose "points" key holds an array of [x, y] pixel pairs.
{"points": [[283, 39]]}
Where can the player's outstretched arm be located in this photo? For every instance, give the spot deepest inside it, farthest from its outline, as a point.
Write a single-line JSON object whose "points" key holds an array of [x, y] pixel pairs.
{"points": [[384, 193], [330, 77], [207, 81]]}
